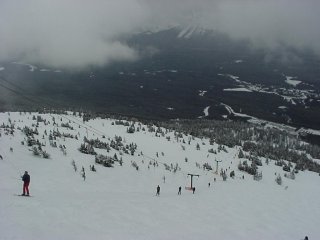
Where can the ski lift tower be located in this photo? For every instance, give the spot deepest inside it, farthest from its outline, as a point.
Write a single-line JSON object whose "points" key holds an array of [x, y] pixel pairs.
{"points": [[192, 175]]}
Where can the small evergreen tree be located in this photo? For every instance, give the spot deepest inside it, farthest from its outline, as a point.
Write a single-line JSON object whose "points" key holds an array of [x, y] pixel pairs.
{"points": [[240, 154]]}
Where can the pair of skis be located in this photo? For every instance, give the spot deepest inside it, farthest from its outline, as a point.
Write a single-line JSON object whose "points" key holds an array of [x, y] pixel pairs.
{"points": [[21, 195]]}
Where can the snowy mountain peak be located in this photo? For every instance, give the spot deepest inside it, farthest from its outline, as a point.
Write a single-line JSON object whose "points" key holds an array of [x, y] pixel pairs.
{"points": [[189, 31]]}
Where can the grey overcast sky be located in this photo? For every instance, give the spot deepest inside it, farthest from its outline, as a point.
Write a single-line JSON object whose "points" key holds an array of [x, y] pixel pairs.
{"points": [[76, 33]]}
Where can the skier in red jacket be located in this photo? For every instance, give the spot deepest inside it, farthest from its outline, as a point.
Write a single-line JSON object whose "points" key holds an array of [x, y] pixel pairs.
{"points": [[26, 181]]}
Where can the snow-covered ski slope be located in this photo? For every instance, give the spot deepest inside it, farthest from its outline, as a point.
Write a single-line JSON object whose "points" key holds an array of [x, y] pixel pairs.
{"points": [[120, 202]]}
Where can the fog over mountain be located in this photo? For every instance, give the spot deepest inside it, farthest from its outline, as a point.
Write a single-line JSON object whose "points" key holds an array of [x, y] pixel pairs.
{"points": [[78, 33]]}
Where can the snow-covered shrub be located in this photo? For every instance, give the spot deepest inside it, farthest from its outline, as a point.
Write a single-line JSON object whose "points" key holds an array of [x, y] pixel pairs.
{"points": [[67, 125], [97, 143], [87, 149], [279, 180], [256, 160], [135, 165], [45, 154], [167, 167], [222, 148], [35, 151], [290, 175], [104, 160], [241, 166], [286, 168], [207, 166], [212, 151], [73, 163], [176, 168], [257, 176], [198, 146], [224, 176], [249, 169], [131, 129], [29, 132], [279, 163]]}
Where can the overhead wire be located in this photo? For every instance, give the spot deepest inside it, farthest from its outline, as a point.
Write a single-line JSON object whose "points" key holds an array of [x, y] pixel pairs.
{"points": [[76, 121], [96, 131]]}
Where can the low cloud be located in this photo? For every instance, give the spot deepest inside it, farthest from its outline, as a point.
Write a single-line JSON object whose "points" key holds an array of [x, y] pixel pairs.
{"points": [[268, 23], [64, 33], [77, 33]]}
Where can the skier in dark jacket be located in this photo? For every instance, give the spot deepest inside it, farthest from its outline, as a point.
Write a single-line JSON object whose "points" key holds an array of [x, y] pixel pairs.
{"points": [[26, 181], [158, 191]]}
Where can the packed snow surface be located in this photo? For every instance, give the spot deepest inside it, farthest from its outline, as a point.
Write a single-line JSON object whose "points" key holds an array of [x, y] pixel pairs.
{"points": [[282, 107], [290, 95], [291, 81], [202, 93], [206, 111], [237, 90], [120, 202]]}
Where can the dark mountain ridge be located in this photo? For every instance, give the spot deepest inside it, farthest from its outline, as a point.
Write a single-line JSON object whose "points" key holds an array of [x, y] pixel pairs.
{"points": [[180, 72]]}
